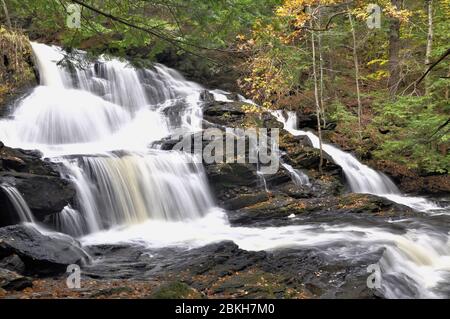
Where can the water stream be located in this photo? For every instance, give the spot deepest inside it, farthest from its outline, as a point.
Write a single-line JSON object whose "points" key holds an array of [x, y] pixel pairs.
{"points": [[100, 121]]}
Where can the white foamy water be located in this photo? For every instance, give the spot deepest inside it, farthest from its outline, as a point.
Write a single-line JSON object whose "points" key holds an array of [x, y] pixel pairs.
{"points": [[298, 176], [361, 178], [20, 206], [413, 265], [99, 120], [132, 188]]}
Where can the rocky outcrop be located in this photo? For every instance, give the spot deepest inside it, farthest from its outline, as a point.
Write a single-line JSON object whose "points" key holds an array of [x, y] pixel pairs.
{"points": [[223, 270], [41, 254], [282, 210], [238, 115], [238, 185], [411, 182], [37, 180], [17, 72]]}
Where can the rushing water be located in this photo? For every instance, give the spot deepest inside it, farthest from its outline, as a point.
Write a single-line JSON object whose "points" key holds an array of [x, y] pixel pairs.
{"points": [[18, 202], [360, 177], [99, 120]]}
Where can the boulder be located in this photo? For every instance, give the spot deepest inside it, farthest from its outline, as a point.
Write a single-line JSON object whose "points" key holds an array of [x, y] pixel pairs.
{"points": [[301, 155], [363, 209], [37, 180], [42, 254], [45, 195]]}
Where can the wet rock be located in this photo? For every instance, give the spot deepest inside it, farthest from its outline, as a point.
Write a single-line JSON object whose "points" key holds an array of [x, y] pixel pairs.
{"points": [[10, 280], [205, 96], [316, 273], [225, 175], [300, 154], [225, 270], [361, 209], [297, 191], [220, 259], [44, 195], [37, 180], [245, 200], [224, 113], [25, 161], [238, 115], [41, 254]]}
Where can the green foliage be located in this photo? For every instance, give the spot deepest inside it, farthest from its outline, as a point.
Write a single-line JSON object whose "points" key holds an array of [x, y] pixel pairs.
{"points": [[413, 139], [186, 26]]}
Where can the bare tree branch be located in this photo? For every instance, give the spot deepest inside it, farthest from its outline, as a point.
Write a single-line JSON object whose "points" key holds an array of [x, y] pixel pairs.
{"points": [[446, 53]]}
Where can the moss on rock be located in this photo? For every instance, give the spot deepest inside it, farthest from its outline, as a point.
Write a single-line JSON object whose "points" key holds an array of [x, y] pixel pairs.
{"points": [[16, 65]]}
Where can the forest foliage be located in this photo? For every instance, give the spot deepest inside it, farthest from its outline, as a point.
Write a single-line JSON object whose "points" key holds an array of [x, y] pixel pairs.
{"points": [[317, 56]]}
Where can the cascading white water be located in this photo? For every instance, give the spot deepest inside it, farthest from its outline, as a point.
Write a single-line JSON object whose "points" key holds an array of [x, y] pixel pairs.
{"points": [[23, 211], [361, 178], [99, 122], [71, 222], [298, 177], [40, 119], [109, 106], [131, 188]]}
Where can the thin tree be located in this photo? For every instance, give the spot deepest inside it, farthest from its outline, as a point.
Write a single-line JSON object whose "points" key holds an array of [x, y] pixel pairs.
{"points": [[316, 92], [429, 42], [355, 61], [319, 48], [5, 9], [394, 51]]}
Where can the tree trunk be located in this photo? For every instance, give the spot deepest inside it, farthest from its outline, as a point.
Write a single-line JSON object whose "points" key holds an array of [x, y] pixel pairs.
{"points": [[5, 8], [319, 48], [394, 51], [356, 63], [429, 43], [316, 94]]}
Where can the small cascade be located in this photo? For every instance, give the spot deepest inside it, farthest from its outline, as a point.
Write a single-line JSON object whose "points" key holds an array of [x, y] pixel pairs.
{"points": [[298, 177], [49, 71], [18, 202], [360, 177], [70, 221]]}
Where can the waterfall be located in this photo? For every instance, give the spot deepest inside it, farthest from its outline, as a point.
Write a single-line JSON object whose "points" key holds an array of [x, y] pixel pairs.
{"points": [[131, 188], [298, 177], [71, 222], [19, 204], [360, 177], [98, 121]]}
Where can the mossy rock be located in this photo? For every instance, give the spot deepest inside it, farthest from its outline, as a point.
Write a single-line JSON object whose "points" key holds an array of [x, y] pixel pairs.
{"points": [[17, 72], [175, 290], [253, 283]]}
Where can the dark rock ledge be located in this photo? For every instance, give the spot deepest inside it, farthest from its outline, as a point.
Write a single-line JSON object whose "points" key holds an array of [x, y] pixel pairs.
{"points": [[37, 180]]}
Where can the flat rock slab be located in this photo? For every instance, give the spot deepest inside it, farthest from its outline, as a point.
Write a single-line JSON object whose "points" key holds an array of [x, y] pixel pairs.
{"points": [[42, 254]]}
